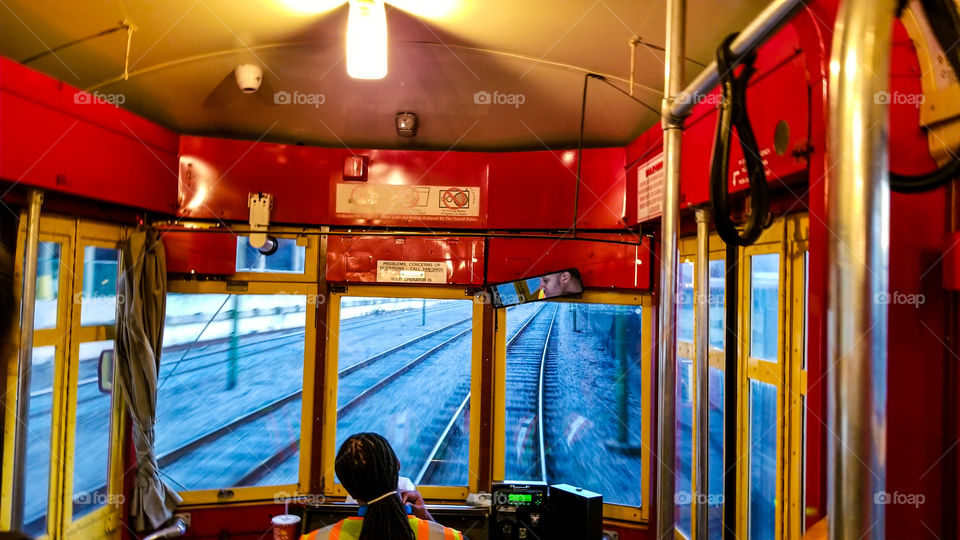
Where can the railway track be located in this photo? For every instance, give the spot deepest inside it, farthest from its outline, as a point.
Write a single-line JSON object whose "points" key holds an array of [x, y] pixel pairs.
{"points": [[382, 368], [524, 414], [375, 367], [422, 347], [438, 437], [439, 468], [171, 367]]}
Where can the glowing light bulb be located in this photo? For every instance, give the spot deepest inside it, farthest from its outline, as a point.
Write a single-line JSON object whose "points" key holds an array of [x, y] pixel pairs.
{"points": [[367, 40]]}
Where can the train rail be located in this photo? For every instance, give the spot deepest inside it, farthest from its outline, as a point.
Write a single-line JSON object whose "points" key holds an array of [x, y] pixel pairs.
{"points": [[383, 368], [438, 439], [438, 468], [525, 405]]}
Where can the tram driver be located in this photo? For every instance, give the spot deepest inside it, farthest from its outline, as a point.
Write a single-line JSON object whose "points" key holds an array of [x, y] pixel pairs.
{"points": [[558, 284], [368, 469]]}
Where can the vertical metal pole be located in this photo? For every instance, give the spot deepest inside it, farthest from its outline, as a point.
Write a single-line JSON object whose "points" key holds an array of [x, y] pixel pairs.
{"points": [[233, 353], [703, 373], [667, 367], [27, 307], [858, 217]]}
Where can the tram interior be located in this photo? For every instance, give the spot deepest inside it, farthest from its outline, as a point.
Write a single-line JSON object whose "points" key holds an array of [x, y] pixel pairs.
{"points": [[595, 269]]}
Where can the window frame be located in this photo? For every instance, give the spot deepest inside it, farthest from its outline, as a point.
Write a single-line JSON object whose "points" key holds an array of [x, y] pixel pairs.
{"points": [[265, 288], [789, 238], [329, 424], [630, 514], [73, 234], [687, 250], [103, 236], [310, 242]]}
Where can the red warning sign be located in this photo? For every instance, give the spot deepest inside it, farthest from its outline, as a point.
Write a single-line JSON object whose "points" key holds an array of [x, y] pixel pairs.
{"points": [[455, 198]]}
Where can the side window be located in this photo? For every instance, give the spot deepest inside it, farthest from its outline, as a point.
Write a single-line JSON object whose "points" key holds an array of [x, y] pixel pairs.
{"points": [[389, 348], [98, 269], [685, 389], [287, 256], [573, 388], [763, 393], [230, 387], [46, 390]]}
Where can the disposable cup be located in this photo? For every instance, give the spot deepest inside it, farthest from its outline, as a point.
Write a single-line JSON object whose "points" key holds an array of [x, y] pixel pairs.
{"points": [[286, 527]]}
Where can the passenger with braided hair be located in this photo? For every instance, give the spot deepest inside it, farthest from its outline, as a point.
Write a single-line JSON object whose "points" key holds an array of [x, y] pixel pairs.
{"points": [[368, 469]]}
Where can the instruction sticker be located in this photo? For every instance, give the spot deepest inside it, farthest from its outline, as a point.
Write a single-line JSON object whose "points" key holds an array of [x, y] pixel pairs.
{"points": [[390, 200], [650, 189], [411, 272]]}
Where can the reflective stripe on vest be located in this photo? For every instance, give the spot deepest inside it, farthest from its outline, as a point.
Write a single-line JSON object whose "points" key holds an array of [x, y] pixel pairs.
{"points": [[349, 529]]}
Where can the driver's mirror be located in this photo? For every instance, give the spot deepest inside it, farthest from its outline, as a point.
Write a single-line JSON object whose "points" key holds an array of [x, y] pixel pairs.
{"points": [[105, 371]]}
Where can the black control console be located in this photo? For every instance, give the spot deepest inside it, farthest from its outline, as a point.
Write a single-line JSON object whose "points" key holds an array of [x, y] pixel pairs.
{"points": [[518, 511]]}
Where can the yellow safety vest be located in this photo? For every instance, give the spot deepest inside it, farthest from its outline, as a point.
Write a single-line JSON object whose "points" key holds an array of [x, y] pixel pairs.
{"points": [[349, 529]]}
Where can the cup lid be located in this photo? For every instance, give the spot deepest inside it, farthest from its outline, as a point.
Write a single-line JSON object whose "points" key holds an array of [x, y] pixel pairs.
{"points": [[286, 519]]}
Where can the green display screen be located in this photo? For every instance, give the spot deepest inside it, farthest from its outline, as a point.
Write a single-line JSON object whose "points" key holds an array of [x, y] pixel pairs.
{"points": [[520, 497]]}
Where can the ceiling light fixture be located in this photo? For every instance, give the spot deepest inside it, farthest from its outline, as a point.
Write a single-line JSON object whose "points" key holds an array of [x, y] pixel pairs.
{"points": [[367, 40]]}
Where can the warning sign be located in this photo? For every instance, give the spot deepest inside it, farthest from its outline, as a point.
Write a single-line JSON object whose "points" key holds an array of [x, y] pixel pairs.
{"points": [[650, 177], [411, 272], [385, 200]]}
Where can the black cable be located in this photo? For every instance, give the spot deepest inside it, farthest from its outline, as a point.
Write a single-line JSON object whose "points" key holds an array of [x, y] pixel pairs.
{"points": [[733, 114], [121, 26], [731, 353], [945, 23], [583, 117]]}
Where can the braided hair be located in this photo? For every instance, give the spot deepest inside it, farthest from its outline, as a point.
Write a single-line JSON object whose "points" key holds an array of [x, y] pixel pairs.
{"points": [[368, 468]]}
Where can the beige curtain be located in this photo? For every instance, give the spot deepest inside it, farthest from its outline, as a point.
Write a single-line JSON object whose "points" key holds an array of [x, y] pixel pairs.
{"points": [[143, 286]]}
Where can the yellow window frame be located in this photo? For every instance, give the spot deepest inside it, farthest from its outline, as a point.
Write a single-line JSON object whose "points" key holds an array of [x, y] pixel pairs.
{"points": [[787, 237], [687, 250], [105, 521], [72, 234], [630, 514], [329, 429], [273, 492]]}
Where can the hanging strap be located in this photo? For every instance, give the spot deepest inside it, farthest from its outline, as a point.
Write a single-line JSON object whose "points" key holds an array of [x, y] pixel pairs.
{"points": [[733, 114]]}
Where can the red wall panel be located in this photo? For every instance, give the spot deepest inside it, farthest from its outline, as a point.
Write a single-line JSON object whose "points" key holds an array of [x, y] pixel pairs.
{"points": [[416, 169], [536, 190], [778, 92], [194, 252], [601, 265], [517, 190], [53, 137], [353, 259], [217, 175]]}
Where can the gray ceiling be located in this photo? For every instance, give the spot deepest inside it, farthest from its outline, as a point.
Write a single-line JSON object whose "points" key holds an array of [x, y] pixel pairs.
{"points": [[442, 52]]}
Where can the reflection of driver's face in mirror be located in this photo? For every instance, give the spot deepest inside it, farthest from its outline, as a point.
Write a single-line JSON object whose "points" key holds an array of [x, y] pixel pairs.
{"points": [[558, 284]]}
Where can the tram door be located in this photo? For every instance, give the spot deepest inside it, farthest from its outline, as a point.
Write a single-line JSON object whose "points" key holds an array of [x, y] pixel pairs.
{"points": [[72, 464], [772, 385]]}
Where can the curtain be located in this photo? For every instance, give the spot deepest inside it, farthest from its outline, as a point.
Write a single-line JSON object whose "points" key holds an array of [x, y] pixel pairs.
{"points": [[143, 288]]}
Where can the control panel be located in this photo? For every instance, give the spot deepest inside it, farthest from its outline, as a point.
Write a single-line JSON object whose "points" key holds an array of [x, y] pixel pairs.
{"points": [[518, 511]]}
